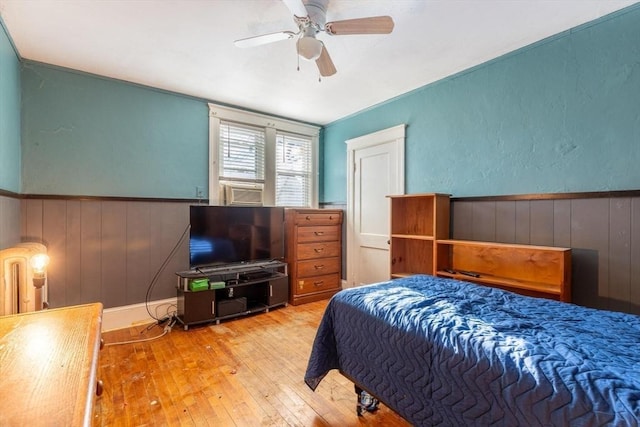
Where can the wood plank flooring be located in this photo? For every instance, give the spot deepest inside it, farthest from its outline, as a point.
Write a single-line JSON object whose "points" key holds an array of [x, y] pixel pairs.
{"points": [[244, 372]]}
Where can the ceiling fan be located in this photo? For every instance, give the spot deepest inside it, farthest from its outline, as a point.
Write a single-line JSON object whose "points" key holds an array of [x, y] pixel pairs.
{"points": [[310, 17]]}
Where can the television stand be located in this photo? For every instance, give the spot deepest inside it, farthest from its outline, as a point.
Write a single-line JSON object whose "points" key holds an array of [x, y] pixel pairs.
{"points": [[223, 292]]}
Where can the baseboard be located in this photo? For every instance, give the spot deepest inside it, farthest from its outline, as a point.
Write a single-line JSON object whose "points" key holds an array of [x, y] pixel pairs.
{"points": [[136, 314]]}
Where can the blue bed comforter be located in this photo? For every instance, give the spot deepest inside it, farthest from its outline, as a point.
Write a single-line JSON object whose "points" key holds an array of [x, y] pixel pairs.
{"points": [[445, 352]]}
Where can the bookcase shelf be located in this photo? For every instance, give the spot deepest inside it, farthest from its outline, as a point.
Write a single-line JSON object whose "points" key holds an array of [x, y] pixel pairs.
{"points": [[416, 222]]}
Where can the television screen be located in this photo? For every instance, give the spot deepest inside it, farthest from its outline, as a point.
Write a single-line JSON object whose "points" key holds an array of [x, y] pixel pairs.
{"points": [[233, 234]]}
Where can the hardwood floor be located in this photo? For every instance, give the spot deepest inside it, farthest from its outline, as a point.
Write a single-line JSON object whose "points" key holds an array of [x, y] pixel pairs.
{"points": [[244, 372]]}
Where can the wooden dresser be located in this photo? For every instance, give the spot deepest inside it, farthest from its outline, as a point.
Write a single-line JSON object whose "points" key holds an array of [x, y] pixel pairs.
{"points": [[48, 366], [314, 253]]}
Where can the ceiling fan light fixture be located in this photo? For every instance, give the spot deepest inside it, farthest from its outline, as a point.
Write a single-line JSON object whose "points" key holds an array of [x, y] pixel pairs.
{"points": [[310, 17], [309, 48]]}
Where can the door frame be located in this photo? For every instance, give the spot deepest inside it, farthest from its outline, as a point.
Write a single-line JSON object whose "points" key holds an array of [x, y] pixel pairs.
{"points": [[396, 135]]}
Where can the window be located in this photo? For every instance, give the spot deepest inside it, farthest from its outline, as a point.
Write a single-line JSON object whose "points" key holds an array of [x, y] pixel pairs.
{"points": [[241, 152], [293, 170], [277, 156]]}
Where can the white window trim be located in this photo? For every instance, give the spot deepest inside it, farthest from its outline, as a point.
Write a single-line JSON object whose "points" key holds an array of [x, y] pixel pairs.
{"points": [[271, 124]]}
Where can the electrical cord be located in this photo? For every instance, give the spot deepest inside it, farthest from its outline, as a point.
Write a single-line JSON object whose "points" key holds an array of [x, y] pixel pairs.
{"points": [[154, 280], [164, 312], [170, 316], [166, 330]]}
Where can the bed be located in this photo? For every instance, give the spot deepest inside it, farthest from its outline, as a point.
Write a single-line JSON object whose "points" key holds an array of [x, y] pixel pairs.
{"points": [[445, 352]]}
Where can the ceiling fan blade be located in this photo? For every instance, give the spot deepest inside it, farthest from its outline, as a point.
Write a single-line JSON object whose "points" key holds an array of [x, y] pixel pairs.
{"points": [[296, 7], [264, 39], [372, 25], [325, 64]]}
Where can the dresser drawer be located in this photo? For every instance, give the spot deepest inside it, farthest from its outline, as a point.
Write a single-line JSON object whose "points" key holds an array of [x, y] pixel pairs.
{"points": [[318, 218], [317, 267], [317, 284], [318, 250], [321, 233]]}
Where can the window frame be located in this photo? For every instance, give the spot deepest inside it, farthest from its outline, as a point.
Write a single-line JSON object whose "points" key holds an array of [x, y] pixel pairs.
{"points": [[272, 125]]}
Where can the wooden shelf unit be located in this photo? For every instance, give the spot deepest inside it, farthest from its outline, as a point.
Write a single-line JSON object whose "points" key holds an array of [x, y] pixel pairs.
{"points": [[540, 271], [417, 221]]}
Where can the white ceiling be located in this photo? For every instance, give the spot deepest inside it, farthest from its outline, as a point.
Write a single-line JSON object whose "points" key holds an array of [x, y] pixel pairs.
{"points": [[186, 46]]}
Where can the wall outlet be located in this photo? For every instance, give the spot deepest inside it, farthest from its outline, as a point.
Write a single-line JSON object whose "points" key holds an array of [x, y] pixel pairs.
{"points": [[199, 192]]}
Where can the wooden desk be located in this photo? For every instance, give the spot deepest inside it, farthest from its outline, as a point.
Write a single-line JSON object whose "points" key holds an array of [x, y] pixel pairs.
{"points": [[48, 366]]}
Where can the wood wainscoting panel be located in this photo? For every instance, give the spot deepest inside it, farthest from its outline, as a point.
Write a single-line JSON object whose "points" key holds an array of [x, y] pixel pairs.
{"points": [[620, 256], [562, 223], [108, 250], [9, 221], [68, 246], [90, 231], [505, 221], [61, 236], [114, 259], [634, 291], [603, 231]]}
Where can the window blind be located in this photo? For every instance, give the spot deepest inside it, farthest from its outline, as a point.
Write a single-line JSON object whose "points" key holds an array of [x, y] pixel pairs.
{"points": [[241, 152], [293, 170]]}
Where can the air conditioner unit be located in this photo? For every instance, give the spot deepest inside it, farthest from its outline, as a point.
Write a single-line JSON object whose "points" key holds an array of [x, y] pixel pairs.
{"points": [[242, 194]]}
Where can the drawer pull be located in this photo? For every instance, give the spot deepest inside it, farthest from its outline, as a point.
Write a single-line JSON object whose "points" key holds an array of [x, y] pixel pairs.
{"points": [[319, 266], [318, 250], [319, 233], [318, 283], [308, 218], [330, 217]]}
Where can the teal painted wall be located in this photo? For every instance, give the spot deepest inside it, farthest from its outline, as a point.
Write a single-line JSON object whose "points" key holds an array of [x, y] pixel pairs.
{"points": [[562, 115], [86, 135], [9, 115]]}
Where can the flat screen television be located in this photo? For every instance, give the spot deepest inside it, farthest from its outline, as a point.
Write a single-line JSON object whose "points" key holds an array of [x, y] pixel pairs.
{"points": [[235, 234]]}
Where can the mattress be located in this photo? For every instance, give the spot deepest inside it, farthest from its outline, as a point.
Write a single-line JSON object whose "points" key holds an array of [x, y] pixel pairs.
{"points": [[445, 352]]}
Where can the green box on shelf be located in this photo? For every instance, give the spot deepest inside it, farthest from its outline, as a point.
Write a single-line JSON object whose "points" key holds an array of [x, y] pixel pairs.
{"points": [[216, 285], [199, 285]]}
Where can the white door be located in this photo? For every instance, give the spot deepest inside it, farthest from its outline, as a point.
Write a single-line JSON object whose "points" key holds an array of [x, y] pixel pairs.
{"points": [[376, 170]]}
